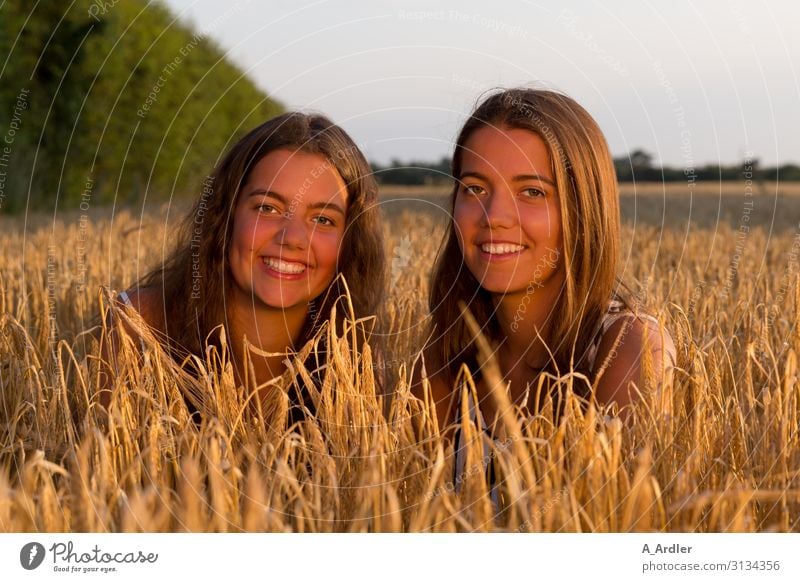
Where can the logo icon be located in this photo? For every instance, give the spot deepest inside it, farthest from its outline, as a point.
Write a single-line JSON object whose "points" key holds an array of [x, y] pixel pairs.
{"points": [[31, 555]]}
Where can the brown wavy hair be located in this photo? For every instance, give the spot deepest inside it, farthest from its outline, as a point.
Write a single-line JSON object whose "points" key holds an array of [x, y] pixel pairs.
{"points": [[587, 185], [194, 310]]}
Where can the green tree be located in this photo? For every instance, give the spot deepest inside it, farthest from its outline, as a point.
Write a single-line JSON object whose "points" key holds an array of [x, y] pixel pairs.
{"points": [[126, 101]]}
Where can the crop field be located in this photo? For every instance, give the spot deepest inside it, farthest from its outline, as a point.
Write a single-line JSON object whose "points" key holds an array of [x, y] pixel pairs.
{"points": [[718, 449]]}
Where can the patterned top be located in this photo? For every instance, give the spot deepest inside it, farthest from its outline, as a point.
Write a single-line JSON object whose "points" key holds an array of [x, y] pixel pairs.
{"points": [[125, 298], [123, 295], [616, 310]]}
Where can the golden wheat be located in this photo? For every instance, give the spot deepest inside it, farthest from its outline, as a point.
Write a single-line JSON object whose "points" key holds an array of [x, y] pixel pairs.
{"points": [[718, 450]]}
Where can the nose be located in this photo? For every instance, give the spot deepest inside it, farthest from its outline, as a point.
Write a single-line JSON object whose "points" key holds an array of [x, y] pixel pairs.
{"points": [[500, 210], [294, 232]]}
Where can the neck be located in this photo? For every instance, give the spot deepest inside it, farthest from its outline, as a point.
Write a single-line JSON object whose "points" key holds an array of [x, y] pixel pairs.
{"points": [[267, 329], [525, 320]]}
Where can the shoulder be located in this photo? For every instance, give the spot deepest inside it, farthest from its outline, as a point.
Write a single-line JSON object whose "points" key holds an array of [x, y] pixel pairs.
{"points": [[150, 306], [628, 346], [148, 302]]}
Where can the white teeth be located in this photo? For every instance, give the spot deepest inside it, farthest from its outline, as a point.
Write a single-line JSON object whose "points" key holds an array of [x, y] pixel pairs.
{"points": [[284, 266], [501, 249]]}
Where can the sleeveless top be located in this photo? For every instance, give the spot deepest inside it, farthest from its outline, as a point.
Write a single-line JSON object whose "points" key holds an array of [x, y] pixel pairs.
{"points": [[123, 296], [616, 311], [299, 396]]}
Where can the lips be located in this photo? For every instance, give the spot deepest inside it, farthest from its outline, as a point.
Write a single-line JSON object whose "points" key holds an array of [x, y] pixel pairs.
{"points": [[285, 269], [501, 248], [499, 251], [288, 267]]}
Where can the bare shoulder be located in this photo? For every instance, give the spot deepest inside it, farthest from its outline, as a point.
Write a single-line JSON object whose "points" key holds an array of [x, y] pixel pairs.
{"points": [[620, 361], [149, 303], [150, 306]]}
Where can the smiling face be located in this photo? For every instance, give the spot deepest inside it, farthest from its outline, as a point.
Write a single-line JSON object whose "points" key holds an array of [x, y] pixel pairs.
{"points": [[507, 212], [288, 227]]}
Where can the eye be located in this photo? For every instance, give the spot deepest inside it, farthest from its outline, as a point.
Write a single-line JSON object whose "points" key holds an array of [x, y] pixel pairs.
{"points": [[324, 221], [266, 209], [534, 193], [473, 189]]}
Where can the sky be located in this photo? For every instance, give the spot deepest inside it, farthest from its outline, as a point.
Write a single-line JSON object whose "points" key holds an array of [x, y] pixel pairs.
{"points": [[690, 82]]}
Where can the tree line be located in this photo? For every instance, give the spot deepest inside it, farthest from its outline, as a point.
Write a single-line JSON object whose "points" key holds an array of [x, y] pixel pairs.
{"points": [[638, 166], [107, 101]]}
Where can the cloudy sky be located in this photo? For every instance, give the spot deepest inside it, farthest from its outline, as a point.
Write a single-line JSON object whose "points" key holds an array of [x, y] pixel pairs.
{"points": [[691, 82]]}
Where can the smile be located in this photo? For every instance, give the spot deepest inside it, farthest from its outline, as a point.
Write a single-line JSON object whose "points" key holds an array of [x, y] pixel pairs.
{"points": [[501, 248], [284, 267]]}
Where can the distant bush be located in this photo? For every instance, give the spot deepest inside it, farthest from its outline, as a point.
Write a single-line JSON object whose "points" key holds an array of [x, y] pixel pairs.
{"points": [[635, 167], [414, 173], [121, 101]]}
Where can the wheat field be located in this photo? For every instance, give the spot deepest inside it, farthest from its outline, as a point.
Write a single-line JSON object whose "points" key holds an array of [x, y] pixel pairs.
{"points": [[717, 450]]}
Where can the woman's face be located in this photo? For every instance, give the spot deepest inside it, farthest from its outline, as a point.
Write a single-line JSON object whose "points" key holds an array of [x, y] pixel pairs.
{"points": [[288, 227], [507, 212]]}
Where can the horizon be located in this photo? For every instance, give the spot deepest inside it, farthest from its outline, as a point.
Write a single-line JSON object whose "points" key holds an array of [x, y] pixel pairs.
{"points": [[734, 163], [711, 84]]}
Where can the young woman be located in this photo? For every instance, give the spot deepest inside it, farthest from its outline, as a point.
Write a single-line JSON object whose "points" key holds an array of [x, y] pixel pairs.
{"points": [[289, 212], [532, 252]]}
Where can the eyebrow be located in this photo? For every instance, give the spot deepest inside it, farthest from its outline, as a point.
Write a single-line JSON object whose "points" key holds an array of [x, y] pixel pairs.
{"points": [[517, 178], [282, 199]]}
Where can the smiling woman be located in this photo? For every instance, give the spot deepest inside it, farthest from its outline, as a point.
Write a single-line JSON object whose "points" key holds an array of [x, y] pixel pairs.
{"points": [[288, 228], [532, 253], [288, 216]]}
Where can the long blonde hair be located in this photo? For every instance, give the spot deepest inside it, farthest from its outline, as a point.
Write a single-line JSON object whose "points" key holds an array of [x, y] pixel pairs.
{"points": [[587, 185]]}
